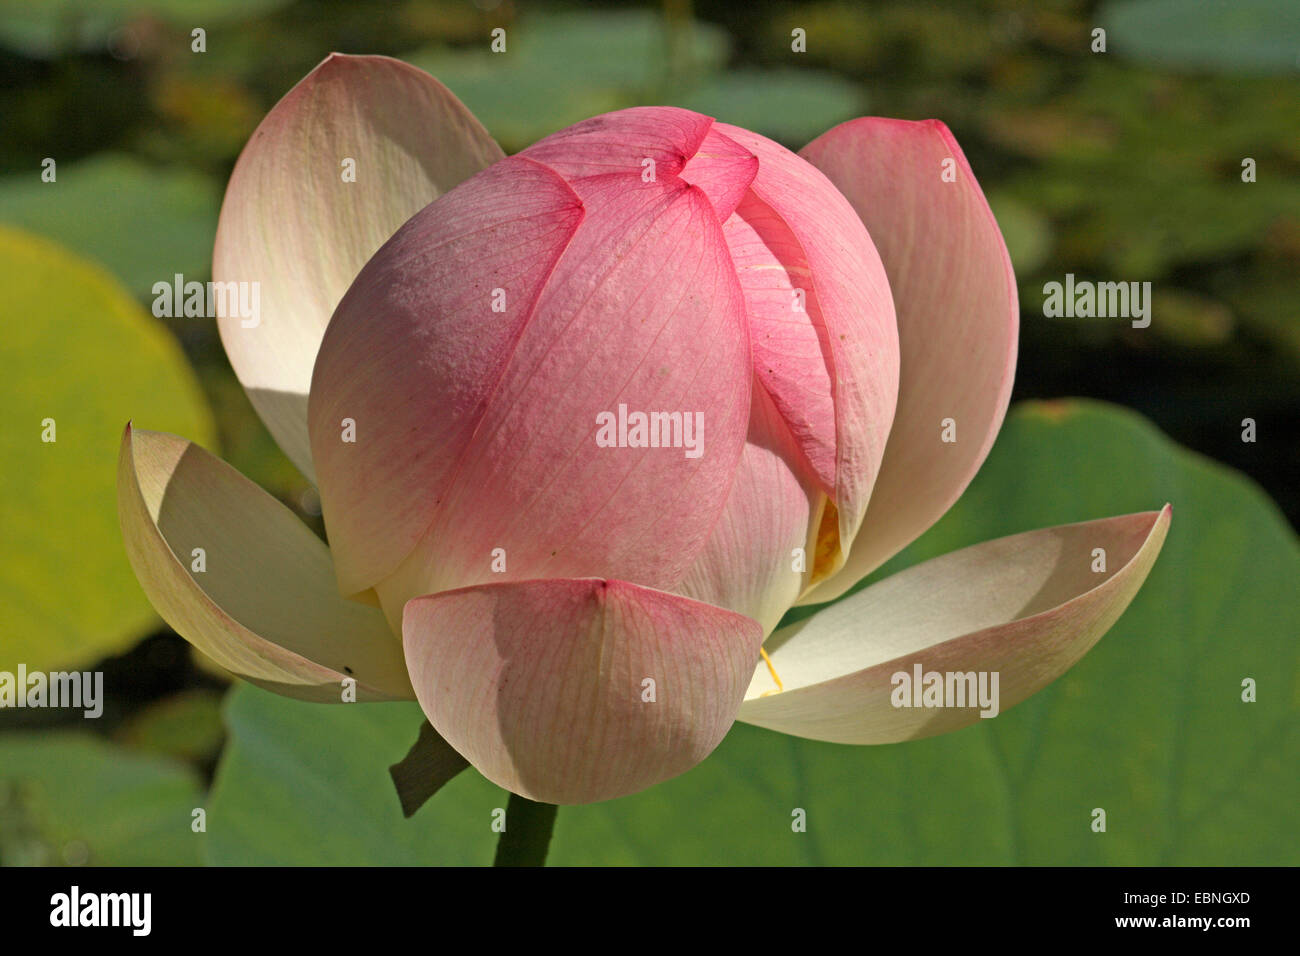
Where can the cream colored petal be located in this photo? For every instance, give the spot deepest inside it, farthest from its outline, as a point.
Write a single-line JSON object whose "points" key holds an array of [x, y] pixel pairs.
{"points": [[242, 579], [353, 151], [1025, 608]]}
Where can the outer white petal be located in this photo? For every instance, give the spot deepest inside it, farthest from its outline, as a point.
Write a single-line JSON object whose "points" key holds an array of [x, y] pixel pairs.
{"points": [[292, 224], [242, 579], [1026, 607]]}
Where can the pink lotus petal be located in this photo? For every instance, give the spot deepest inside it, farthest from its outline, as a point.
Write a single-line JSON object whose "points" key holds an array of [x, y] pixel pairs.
{"points": [[415, 353], [749, 564], [1026, 608], [723, 169], [957, 321], [572, 691], [830, 363], [293, 225], [260, 597], [643, 312], [657, 144], [621, 142]]}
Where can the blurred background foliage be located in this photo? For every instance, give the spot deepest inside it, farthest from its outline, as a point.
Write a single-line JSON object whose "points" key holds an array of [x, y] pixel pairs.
{"points": [[1117, 166]]}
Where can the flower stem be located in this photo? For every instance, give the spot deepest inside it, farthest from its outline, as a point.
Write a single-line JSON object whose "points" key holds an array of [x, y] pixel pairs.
{"points": [[527, 835]]}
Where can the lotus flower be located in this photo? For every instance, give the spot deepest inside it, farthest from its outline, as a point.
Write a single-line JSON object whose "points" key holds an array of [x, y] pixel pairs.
{"points": [[443, 340]]}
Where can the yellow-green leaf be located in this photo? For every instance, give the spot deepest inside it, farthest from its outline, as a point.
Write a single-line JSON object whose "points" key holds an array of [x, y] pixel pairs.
{"points": [[80, 358]]}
